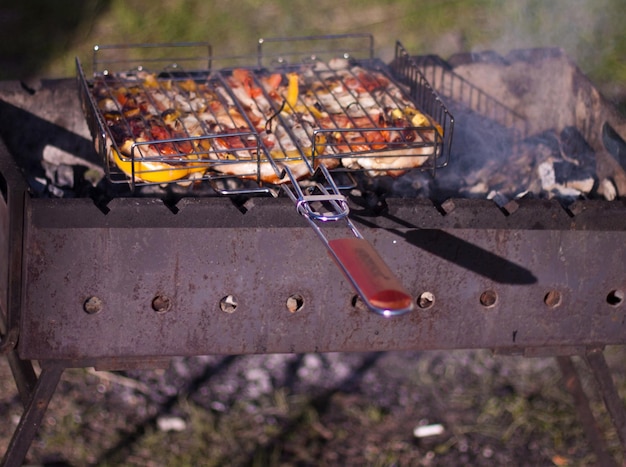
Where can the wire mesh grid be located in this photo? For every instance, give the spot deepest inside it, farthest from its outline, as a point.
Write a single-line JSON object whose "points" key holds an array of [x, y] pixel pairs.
{"points": [[201, 117]]}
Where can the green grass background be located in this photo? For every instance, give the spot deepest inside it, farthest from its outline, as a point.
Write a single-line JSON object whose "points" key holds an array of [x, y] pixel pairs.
{"points": [[41, 38]]}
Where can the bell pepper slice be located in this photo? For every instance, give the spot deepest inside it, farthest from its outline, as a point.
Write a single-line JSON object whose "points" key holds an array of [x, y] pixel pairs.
{"points": [[292, 89], [155, 172]]}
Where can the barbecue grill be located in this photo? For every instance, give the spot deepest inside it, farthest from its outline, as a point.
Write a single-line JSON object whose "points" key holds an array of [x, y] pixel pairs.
{"points": [[119, 279], [202, 112]]}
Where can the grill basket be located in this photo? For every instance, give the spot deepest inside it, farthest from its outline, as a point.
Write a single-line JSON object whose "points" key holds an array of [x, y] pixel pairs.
{"points": [[184, 82]]}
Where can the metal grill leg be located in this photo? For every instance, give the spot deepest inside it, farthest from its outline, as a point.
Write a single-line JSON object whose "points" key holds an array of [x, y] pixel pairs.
{"points": [[587, 419], [24, 376], [614, 405], [33, 414]]}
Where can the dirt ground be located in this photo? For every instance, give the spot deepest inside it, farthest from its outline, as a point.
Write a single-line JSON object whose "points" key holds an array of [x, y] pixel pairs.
{"points": [[319, 409]]}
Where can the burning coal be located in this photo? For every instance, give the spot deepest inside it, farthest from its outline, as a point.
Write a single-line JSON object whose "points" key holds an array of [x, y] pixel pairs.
{"points": [[518, 134]]}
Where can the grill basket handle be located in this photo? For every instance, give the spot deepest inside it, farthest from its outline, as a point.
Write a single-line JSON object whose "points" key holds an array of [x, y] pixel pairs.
{"points": [[379, 288], [377, 285]]}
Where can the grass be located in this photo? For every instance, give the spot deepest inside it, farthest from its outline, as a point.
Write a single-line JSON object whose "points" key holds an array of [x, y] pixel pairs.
{"points": [[495, 411], [42, 39]]}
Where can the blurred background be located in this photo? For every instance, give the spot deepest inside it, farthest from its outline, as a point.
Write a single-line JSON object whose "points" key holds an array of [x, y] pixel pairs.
{"points": [[41, 39], [252, 410]]}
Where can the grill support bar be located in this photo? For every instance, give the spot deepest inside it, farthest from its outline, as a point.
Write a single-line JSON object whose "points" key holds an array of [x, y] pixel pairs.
{"points": [[596, 361], [587, 419], [23, 374], [33, 414], [12, 208]]}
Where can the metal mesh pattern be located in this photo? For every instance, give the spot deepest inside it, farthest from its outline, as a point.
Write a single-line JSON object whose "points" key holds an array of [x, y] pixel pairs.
{"points": [[171, 125]]}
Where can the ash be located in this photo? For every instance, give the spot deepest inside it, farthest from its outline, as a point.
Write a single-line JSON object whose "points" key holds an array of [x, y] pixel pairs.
{"points": [[488, 162]]}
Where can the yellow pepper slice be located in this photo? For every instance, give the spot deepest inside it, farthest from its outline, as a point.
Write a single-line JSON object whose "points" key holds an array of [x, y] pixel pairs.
{"points": [[188, 85], [418, 119], [151, 81], [155, 172], [292, 89]]}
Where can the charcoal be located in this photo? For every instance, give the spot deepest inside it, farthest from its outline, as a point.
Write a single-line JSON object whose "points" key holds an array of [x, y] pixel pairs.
{"points": [[93, 176], [64, 176], [574, 176], [486, 160], [564, 180], [546, 174], [479, 189], [500, 199], [38, 185], [614, 144], [575, 147], [55, 191], [49, 169], [607, 189]]}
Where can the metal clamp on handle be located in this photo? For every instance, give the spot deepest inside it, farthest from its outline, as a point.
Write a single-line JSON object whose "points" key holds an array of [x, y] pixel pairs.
{"points": [[373, 280], [326, 194], [338, 202]]}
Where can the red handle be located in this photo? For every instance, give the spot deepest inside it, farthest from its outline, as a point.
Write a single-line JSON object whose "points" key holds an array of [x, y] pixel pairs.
{"points": [[371, 275]]}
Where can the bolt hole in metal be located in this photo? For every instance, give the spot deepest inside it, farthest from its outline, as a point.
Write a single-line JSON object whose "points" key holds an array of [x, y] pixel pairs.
{"points": [[93, 305], [425, 300], [295, 303], [553, 298], [228, 304], [358, 304], [488, 298], [161, 304], [615, 297]]}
